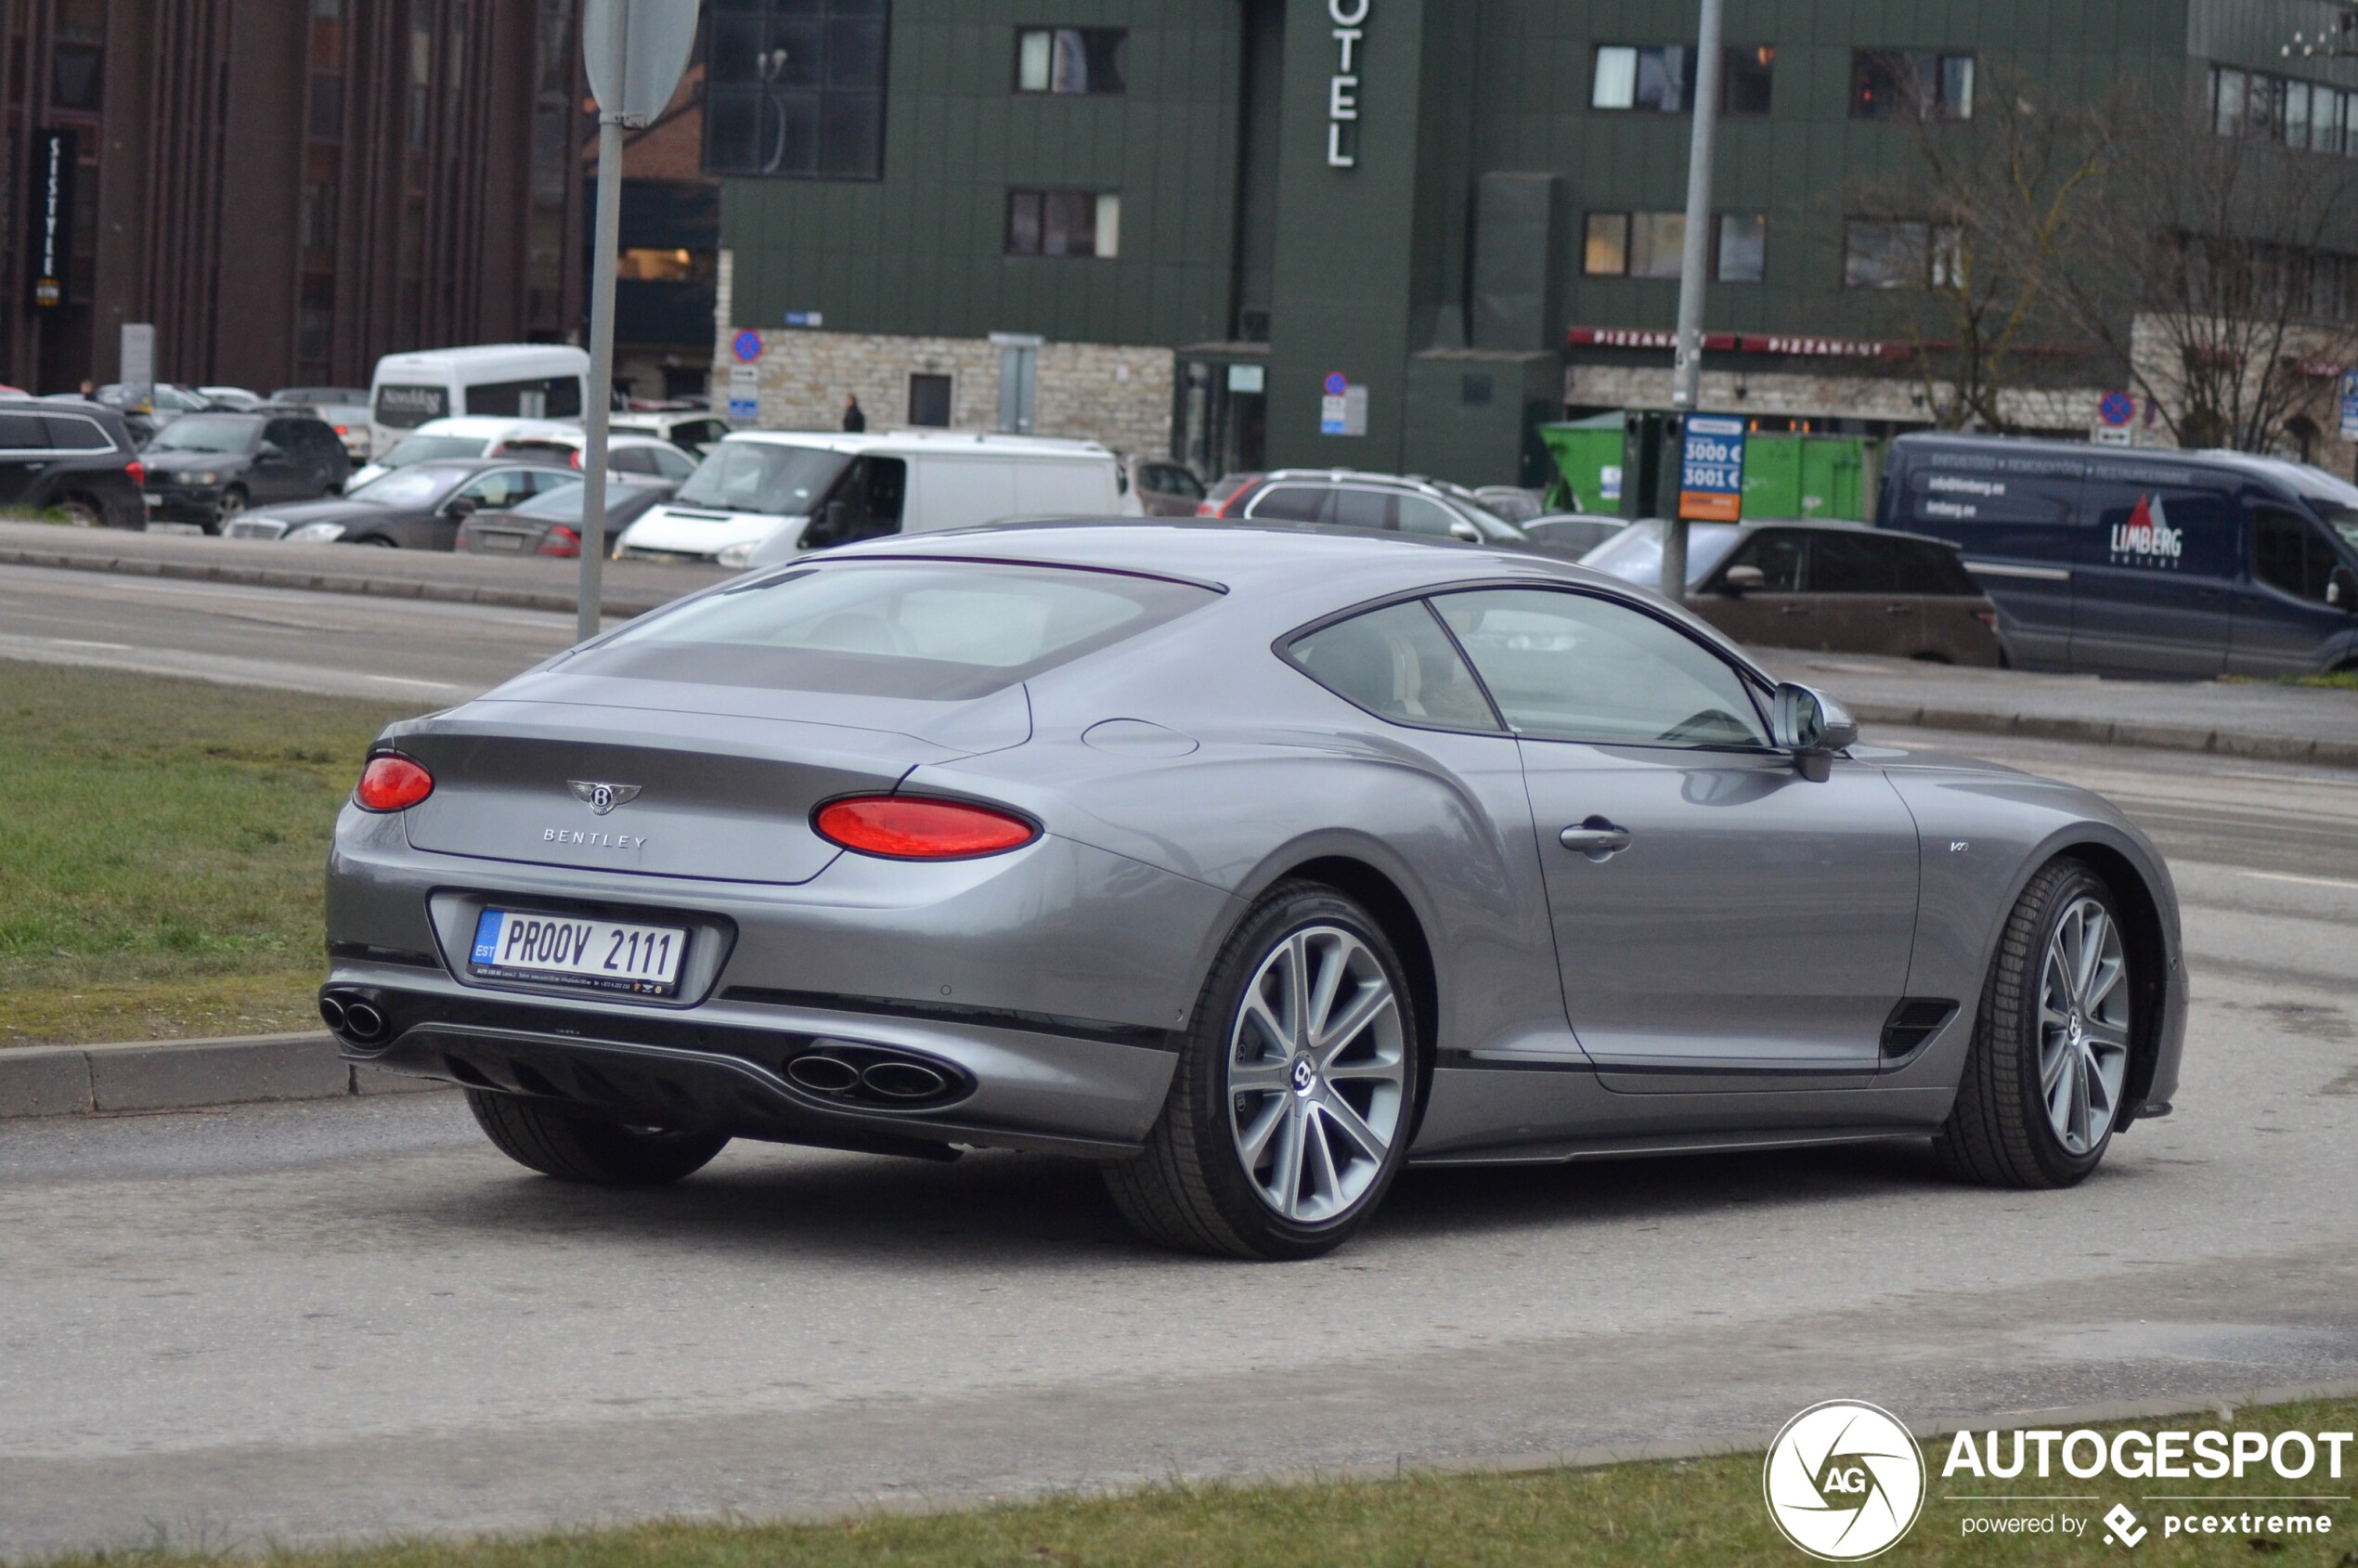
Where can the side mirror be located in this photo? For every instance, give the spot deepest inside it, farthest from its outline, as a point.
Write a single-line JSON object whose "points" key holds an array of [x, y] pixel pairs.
{"points": [[2342, 589], [461, 507], [1812, 726], [1737, 581]]}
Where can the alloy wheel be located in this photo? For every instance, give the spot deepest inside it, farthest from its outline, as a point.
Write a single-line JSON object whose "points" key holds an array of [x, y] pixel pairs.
{"points": [[2083, 1025], [1317, 1074]]}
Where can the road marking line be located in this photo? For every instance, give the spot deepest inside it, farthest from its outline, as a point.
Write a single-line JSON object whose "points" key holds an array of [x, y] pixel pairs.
{"points": [[2305, 881], [83, 642]]}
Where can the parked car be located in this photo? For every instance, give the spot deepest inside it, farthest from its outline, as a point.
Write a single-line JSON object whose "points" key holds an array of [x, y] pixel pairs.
{"points": [[420, 507], [691, 429], [1223, 490], [628, 451], [1260, 862], [1377, 502], [1581, 531], [549, 524], [70, 457], [235, 398], [164, 402], [479, 435], [209, 467], [1517, 505], [346, 408], [763, 496], [512, 380], [2180, 565], [1164, 488], [1834, 586]]}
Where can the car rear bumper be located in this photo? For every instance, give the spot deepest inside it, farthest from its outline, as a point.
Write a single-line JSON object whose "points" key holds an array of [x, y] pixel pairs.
{"points": [[171, 506], [731, 1066]]}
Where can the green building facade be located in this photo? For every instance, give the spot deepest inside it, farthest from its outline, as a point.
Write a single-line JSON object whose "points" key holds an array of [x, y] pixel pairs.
{"points": [[1382, 234]]}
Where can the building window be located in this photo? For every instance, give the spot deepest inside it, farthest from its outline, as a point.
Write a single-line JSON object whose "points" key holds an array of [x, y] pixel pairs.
{"points": [[647, 264], [2307, 115], [315, 321], [1880, 253], [1888, 83], [1661, 80], [1742, 253], [317, 221], [797, 89], [1635, 244], [1072, 59], [1747, 82], [1064, 223], [929, 401], [326, 107], [77, 72]]}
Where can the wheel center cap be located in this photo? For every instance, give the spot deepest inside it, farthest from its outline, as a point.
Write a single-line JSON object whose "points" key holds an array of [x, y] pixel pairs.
{"points": [[2077, 1029], [1306, 1077]]}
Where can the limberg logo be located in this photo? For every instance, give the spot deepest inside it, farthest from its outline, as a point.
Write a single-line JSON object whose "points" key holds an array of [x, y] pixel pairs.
{"points": [[1845, 1481], [2147, 534]]}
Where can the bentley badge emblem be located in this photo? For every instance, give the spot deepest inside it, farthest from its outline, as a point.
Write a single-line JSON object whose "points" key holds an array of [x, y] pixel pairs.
{"points": [[603, 797]]}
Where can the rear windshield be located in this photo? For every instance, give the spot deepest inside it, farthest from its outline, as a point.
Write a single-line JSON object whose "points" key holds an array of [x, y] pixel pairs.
{"points": [[947, 631], [425, 448], [201, 432], [564, 503], [762, 476]]}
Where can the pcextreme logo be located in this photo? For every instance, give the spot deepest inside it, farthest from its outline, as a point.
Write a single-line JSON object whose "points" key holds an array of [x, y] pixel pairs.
{"points": [[1843, 1481]]}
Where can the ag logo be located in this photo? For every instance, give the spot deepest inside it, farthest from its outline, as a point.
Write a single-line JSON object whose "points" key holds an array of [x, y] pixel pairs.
{"points": [[1843, 1481]]}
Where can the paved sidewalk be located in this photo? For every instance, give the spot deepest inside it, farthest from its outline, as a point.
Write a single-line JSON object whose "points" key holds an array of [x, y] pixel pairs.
{"points": [[185, 1075], [630, 588], [2241, 718]]}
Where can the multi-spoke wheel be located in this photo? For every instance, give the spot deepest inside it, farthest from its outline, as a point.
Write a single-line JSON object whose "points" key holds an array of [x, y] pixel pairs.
{"points": [[1290, 1106], [2042, 1090]]}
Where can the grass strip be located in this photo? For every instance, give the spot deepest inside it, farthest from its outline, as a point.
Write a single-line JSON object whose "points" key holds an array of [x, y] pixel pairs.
{"points": [[1662, 1512], [162, 848]]}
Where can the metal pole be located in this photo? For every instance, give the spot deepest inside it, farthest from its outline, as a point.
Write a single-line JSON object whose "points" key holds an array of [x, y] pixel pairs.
{"points": [[605, 250], [1686, 374]]}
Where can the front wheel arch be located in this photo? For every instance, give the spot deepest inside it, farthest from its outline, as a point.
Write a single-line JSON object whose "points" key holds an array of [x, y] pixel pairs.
{"points": [[2149, 963]]}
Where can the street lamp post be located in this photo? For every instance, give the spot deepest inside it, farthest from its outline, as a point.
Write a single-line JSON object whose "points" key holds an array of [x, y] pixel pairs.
{"points": [[1686, 374]]}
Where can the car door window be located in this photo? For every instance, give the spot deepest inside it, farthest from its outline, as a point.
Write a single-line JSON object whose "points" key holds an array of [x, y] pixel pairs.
{"points": [[1431, 519], [1169, 479], [1397, 663], [2288, 553], [507, 487], [631, 460], [1933, 569], [1573, 666], [1361, 508], [1778, 553], [1288, 503], [1851, 562], [23, 432]]}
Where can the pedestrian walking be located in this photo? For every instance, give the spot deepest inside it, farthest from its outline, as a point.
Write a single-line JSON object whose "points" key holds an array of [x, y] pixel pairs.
{"points": [[853, 420]]}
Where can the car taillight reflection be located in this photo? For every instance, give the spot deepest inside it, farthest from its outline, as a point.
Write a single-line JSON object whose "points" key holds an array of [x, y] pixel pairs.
{"points": [[912, 828], [392, 784]]}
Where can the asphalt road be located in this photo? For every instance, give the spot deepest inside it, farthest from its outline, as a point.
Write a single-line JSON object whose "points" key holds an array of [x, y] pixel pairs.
{"points": [[354, 1318], [336, 645]]}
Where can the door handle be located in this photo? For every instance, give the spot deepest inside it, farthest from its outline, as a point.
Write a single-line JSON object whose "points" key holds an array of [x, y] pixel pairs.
{"points": [[1598, 838]]}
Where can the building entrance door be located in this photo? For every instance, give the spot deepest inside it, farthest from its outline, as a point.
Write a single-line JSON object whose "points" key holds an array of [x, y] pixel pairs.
{"points": [[1224, 418]]}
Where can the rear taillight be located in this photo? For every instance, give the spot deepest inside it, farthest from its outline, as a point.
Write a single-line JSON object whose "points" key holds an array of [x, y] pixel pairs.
{"points": [[341, 431], [559, 540], [1987, 617], [576, 457], [1233, 505], [138, 470], [392, 784], [906, 827]]}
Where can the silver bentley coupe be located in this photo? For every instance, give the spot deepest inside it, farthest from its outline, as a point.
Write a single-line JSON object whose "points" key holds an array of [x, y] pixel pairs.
{"points": [[1251, 862]]}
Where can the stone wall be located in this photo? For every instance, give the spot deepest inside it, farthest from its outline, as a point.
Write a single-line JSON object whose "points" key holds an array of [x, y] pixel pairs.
{"points": [[1118, 396]]}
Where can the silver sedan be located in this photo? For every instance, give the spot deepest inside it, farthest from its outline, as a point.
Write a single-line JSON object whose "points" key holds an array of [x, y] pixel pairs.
{"points": [[1252, 862]]}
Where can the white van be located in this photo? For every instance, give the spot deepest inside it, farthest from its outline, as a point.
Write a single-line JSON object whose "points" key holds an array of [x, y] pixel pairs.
{"points": [[762, 497], [529, 381]]}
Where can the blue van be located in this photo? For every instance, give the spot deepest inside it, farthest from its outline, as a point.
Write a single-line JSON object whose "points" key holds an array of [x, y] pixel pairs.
{"points": [[2188, 564]]}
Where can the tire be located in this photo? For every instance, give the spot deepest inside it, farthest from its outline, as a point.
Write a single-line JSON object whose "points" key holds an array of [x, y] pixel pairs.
{"points": [[1327, 1119], [81, 511], [233, 501], [574, 1147], [2040, 1097]]}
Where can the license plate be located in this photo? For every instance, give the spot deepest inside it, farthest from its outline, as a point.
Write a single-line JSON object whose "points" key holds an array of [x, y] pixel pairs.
{"points": [[498, 542], [589, 954], [151, 500]]}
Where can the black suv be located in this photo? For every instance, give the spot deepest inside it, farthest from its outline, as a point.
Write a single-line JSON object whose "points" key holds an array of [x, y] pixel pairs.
{"points": [[70, 457], [206, 468]]}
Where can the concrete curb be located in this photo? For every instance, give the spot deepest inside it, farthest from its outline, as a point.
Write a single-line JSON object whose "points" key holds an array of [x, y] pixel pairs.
{"points": [[2105, 732], [623, 605], [185, 1075]]}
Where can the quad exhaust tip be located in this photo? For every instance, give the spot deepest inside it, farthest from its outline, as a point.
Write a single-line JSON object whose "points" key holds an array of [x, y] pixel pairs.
{"points": [[355, 1017], [848, 1070], [822, 1074]]}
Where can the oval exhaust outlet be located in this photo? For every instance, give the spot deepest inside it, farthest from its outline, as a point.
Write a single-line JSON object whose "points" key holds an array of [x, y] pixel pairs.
{"points": [[904, 1081], [823, 1075], [362, 1021], [332, 1014]]}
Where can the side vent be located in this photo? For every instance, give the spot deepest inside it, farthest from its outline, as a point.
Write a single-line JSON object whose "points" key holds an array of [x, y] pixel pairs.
{"points": [[1914, 1021]]}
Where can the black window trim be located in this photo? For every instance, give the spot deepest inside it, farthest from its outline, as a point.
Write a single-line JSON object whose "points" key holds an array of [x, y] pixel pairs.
{"points": [[1757, 683]]}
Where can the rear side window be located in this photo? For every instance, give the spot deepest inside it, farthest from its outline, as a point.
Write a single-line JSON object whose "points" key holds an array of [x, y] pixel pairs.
{"points": [[542, 397], [1778, 553], [23, 432], [1926, 567], [1569, 666], [1398, 664], [949, 631], [1288, 503], [71, 434], [1853, 564]]}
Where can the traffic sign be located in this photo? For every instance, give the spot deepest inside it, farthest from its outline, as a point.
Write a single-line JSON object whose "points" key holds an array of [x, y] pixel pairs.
{"points": [[746, 345], [1711, 470], [1336, 383], [2350, 404], [2116, 409], [655, 37]]}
